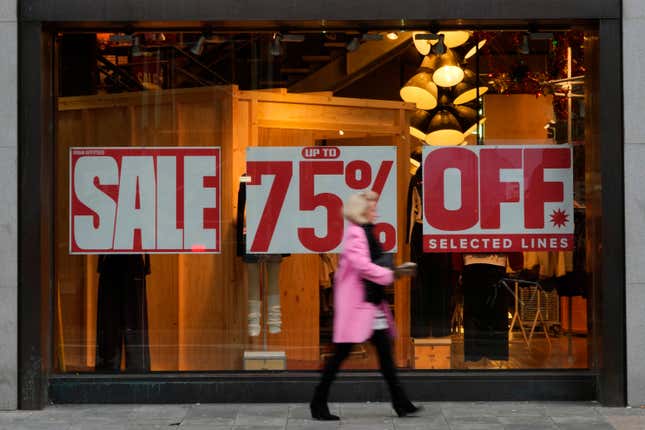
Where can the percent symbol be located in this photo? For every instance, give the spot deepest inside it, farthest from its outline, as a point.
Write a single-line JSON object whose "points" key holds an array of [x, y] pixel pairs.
{"points": [[358, 175]]}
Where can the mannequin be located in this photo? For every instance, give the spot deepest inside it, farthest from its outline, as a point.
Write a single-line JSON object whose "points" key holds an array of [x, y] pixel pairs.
{"points": [[432, 287], [270, 265], [122, 315], [486, 304], [259, 266]]}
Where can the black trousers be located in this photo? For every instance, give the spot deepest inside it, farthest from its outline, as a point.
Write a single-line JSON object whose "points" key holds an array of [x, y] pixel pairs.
{"points": [[122, 321], [486, 304], [381, 340]]}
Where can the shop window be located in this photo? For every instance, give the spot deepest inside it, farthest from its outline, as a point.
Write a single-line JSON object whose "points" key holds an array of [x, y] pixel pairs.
{"points": [[176, 284]]}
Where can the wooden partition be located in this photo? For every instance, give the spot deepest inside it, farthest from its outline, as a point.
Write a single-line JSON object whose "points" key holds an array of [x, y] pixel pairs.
{"points": [[197, 303]]}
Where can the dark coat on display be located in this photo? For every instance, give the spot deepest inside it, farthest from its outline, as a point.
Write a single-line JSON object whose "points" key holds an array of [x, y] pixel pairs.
{"points": [[437, 274]]}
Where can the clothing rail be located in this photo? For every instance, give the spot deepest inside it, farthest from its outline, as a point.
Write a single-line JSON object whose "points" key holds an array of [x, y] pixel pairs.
{"points": [[538, 313]]}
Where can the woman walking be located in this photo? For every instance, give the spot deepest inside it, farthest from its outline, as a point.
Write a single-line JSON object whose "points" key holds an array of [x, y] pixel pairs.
{"points": [[360, 309]]}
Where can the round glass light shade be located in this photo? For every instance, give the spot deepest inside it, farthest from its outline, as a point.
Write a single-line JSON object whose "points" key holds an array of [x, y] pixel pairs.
{"points": [[447, 76], [452, 39], [447, 72], [423, 46], [419, 123], [466, 90], [472, 51], [421, 90], [444, 130]]}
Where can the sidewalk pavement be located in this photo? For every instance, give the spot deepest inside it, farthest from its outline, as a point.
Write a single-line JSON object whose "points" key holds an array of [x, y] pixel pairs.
{"points": [[358, 416]]}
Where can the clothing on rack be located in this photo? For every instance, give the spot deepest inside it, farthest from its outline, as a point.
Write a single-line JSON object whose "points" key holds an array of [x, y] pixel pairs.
{"points": [[122, 313], [328, 264], [564, 271]]}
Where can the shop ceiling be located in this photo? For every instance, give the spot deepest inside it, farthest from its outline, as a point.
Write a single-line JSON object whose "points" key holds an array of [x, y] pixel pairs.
{"points": [[300, 60]]}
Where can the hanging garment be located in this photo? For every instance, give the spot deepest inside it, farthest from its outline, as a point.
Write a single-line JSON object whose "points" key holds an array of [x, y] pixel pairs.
{"points": [[241, 227], [432, 287], [486, 304], [573, 278], [122, 314], [328, 264]]}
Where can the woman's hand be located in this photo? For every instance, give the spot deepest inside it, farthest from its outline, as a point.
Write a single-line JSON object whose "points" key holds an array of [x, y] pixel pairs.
{"points": [[405, 269]]}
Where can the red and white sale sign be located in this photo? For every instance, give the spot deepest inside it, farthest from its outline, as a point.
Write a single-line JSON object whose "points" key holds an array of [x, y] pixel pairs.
{"points": [[295, 196], [497, 199], [152, 200]]}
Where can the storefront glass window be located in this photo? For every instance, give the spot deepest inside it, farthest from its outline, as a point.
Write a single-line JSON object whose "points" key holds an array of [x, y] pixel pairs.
{"points": [[200, 175]]}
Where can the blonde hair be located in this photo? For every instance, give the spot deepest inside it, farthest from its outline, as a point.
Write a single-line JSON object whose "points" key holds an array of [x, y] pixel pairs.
{"points": [[356, 206]]}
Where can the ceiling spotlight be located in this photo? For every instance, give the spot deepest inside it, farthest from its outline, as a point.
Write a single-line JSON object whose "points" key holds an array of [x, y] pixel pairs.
{"points": [[524, 47], [198, 48], [276, 46], [353, 44], [440, 47], [136, 46], [392, 35]]}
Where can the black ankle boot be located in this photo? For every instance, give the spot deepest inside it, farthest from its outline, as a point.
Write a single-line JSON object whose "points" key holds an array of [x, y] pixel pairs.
{"points": [[320, 411], [318, 407], [407, 409]]}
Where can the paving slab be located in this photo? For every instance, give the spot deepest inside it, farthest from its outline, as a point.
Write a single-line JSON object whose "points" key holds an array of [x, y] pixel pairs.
{"points": [[354, 416]]}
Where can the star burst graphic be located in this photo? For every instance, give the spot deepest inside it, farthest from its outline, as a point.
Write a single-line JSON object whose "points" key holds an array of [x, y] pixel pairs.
{"points": [[559, 218]]}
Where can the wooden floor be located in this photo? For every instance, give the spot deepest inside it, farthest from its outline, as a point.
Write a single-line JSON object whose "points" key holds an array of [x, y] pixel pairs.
{"points": [[539, 356]]}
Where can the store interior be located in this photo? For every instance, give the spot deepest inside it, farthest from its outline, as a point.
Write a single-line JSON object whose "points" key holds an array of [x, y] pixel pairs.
{"points": [[398, 87]]}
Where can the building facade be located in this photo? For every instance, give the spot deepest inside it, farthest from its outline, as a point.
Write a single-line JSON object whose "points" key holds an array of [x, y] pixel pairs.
{"points": [[48, 355], [633, 15], [9, 149]]}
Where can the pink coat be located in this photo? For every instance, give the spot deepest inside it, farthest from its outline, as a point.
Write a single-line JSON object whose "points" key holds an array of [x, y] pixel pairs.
{"points": [[353, 316]]}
